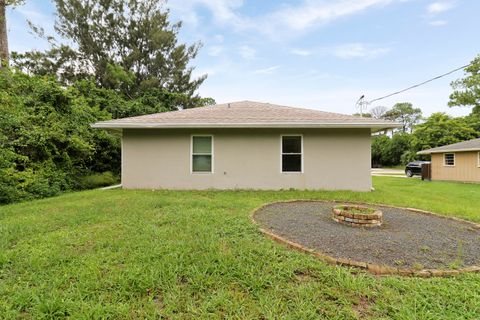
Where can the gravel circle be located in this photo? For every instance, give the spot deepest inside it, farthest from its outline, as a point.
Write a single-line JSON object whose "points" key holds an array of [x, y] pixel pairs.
{"points": [[407, 239]]}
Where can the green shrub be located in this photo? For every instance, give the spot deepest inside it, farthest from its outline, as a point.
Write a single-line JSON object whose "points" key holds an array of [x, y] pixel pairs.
{"points": [[408, 156], [46, 142], [98, 180]]}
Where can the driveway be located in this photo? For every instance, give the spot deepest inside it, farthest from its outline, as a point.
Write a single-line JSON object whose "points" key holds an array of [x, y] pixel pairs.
{"points": [[388, 172]]}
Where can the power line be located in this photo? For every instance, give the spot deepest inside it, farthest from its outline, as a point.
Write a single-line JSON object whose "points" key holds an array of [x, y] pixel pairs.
{"points": [[420, 84]]}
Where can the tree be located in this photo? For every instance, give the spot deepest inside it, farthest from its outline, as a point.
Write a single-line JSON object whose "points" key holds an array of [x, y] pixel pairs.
{"points": [[379, 142], [378, 112], [128, 46], [151, 101], [4, 53], [3, 35], [399, 145], [467, 90], [440, 129], [473, 121], [46, 143], [406, 114], [390, 151]]}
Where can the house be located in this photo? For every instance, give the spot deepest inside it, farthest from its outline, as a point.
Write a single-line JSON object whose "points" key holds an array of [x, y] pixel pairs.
{"points": [[246, 145], [458, 161]]}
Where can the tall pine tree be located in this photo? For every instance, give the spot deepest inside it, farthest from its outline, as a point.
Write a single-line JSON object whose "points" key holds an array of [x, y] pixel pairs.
{"points": [[467, 90], [129, 46]]}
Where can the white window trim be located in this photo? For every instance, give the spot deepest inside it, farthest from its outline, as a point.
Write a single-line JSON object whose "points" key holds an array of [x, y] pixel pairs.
{"points": [[478, 159], [454, 159], [212, 153], [301, 153]]}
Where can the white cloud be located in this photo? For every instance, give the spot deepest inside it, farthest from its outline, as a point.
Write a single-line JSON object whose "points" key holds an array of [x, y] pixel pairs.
{"points": [[356, 50], [436, 8], [31, 13], [287, 19], [346, 51], [439, 7], [215, 51], [312, 13], [301, 52], [223, 11], [437, 23], [218, 38], [247, 52], [220, 66], [268, 70]]}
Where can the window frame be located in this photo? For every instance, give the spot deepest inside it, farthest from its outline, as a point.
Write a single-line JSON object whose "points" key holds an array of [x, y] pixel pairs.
{"points": [[478, 159], [211, 154], [301, 153], [445, 158]]}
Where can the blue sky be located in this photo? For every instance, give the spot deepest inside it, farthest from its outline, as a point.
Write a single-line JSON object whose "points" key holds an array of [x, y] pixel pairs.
{"points": [[313, 53]]}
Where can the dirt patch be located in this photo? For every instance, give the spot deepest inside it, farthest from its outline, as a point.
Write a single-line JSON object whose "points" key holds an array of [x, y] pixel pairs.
{"points": [[406, 240], [361, 309], [304, 276]]}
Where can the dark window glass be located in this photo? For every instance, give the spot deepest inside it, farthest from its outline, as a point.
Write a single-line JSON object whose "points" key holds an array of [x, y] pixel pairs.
{"points": [[449, 159], [292, 163], [202, 163], [202, 154], [292, 144], [292, 153], [202, 145]]}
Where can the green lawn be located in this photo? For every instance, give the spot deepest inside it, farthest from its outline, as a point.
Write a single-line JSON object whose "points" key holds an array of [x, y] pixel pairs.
{"points": [[195, 254]]}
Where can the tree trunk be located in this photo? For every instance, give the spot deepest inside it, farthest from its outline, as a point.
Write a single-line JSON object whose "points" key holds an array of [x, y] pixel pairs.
{"points": [[3, 36]]}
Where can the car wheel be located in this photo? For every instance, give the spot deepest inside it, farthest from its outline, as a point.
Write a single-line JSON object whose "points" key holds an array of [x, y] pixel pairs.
{"points": [[409, 173]]}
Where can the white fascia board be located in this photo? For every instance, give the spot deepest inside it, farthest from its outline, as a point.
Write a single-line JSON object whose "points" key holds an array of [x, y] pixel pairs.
{"points": [[144, 125], [447, 151]]}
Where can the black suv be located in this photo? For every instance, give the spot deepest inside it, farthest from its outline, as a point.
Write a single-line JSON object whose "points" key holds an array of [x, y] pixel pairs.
{"points": [[414, 168]]}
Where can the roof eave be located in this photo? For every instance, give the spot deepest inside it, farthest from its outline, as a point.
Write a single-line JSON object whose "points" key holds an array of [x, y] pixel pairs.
{"points": [[447, 151], [373, 126], [424, 152]]}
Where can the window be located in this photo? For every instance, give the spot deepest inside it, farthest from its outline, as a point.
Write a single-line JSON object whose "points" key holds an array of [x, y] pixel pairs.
{"points": [[478, 159], [202, 154], [292, 153], [449, 159]]}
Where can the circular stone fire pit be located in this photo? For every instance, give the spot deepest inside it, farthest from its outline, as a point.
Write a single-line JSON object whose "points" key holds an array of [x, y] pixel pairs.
{"points": [[357, 216], [413, 242]]}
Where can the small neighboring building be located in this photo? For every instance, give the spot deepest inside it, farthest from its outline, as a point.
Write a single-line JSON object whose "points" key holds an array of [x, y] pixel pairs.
{"points": [[458, 161], [246, 145]]}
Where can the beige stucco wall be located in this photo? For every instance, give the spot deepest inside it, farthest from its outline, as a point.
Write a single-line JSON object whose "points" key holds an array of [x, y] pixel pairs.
{"points": [[247, 159], [465, 169]]}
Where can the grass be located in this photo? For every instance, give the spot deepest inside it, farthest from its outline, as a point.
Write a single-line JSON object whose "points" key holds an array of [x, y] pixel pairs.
{"points": [[121, 254]]}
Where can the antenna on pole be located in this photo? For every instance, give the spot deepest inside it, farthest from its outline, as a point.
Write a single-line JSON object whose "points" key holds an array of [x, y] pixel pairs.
{"points": [[361, 104]]}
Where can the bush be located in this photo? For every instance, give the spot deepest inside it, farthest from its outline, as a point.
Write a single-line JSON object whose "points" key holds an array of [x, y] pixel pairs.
{"points": [[408, 156], [388, 151], [98, 180], [46, 142]]}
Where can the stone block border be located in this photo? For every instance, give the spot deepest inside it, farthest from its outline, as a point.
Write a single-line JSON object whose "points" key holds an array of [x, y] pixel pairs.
{"points": [[342, 215], [382, 270]]}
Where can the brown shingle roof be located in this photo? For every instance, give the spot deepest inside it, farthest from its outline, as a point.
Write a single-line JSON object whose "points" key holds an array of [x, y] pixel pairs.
{"points": [[470, 145], [246, 114]]}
